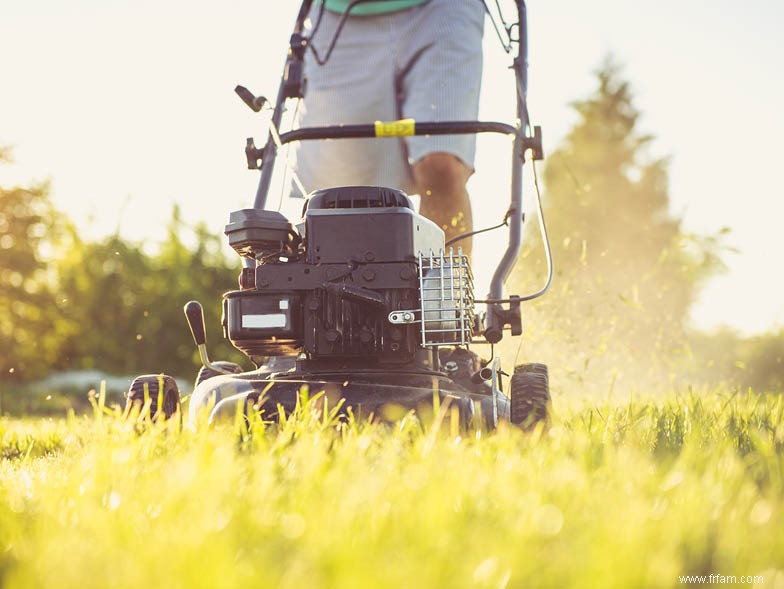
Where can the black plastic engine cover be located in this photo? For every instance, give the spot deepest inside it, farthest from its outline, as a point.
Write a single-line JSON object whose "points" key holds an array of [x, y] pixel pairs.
{"points": [[366, 224], [337, 236]]}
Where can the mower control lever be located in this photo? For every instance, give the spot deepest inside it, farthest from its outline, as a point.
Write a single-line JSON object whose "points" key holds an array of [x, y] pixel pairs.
{"points": [[195, 316]]}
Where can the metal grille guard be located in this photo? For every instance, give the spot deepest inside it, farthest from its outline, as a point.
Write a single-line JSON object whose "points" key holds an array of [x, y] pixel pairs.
{"points": [[446, 294]]}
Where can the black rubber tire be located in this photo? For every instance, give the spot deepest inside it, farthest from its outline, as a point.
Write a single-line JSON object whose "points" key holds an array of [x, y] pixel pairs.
{"points": [[536, 368], [170, 404], [207, 373], [530, 398]]}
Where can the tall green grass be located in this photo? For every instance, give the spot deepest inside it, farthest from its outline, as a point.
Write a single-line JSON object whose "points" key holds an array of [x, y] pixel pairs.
{"points": [[629, 494]]}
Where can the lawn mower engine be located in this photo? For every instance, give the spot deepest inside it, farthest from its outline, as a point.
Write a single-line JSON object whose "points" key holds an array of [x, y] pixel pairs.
{"points": [[363, 294], [367, 283]]}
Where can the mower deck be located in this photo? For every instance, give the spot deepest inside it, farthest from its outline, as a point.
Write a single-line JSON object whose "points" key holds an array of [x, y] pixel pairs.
{"points": [[382, 393]]}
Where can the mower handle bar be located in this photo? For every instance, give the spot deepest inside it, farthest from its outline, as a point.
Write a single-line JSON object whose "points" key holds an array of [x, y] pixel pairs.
{"points": [[397, 129], [401, 128]]}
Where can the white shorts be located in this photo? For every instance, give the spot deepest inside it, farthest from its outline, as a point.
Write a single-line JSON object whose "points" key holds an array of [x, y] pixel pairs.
{"points": [[423, 63]]}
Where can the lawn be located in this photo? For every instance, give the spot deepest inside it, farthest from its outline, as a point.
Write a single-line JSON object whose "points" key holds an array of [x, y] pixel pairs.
{"points": [[633, 493]]}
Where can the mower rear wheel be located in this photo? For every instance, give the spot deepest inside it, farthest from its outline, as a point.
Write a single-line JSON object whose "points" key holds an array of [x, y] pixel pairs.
{"points": [[530, 398], [161, 390], [536, 368], [207, 373]]}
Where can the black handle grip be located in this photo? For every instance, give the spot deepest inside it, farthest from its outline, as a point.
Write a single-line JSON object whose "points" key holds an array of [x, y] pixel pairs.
{"points": [[254, 102], [195, 316]]}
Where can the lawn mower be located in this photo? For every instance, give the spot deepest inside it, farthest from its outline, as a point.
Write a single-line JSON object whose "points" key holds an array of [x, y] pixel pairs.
{"points": [[363, 300]]}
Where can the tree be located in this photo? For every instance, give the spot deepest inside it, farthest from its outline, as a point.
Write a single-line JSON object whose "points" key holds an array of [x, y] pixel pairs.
{"points": [[627, 274], [28, 224], [724, 357], [121, 307], [101, 294], [181, 273], [66, 303]]}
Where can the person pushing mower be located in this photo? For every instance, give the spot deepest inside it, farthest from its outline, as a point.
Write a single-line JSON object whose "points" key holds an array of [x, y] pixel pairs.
{"points": [[364, 297], [387, 60]]}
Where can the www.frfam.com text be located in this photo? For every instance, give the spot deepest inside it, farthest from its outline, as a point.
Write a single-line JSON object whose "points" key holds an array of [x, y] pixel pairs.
{"points": [[721, 579]]}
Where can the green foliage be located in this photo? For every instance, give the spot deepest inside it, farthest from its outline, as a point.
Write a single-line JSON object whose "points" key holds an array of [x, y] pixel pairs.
{"points": [[724, 357], [27, 229], [615, 495], [132, 302], [110, 304], [627, 274]]}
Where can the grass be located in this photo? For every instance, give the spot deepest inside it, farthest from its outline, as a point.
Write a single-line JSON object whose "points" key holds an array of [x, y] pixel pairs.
{"points": [[630, 494]]}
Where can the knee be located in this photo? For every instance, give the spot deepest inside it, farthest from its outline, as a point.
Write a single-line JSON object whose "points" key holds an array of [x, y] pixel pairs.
{"points": [[438, 172]]}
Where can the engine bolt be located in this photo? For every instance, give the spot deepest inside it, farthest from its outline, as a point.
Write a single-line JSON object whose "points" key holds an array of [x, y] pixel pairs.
{"points": [[369, 275]]}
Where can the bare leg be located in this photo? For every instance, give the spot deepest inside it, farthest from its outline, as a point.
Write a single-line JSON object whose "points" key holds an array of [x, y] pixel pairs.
{"points": [[440, 179]]}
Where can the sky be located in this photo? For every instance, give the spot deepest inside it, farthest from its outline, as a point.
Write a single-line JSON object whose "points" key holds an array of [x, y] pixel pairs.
{"points": [[127, 108]]}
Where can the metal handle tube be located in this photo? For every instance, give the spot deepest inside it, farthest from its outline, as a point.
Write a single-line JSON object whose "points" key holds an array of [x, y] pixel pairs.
{"points": [[494, 325], [269, 152]]}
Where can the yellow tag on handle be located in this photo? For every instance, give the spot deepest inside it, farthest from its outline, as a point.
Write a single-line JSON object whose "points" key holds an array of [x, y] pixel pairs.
{"points": [[401, 128]]}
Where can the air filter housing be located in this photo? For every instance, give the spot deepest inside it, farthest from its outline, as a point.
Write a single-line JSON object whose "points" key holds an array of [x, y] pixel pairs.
{"points": [[256, 233]]}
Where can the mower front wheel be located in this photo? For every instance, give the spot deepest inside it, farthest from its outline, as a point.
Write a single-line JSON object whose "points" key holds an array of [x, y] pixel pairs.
{"points": [[162, 392], [530, 396]]}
